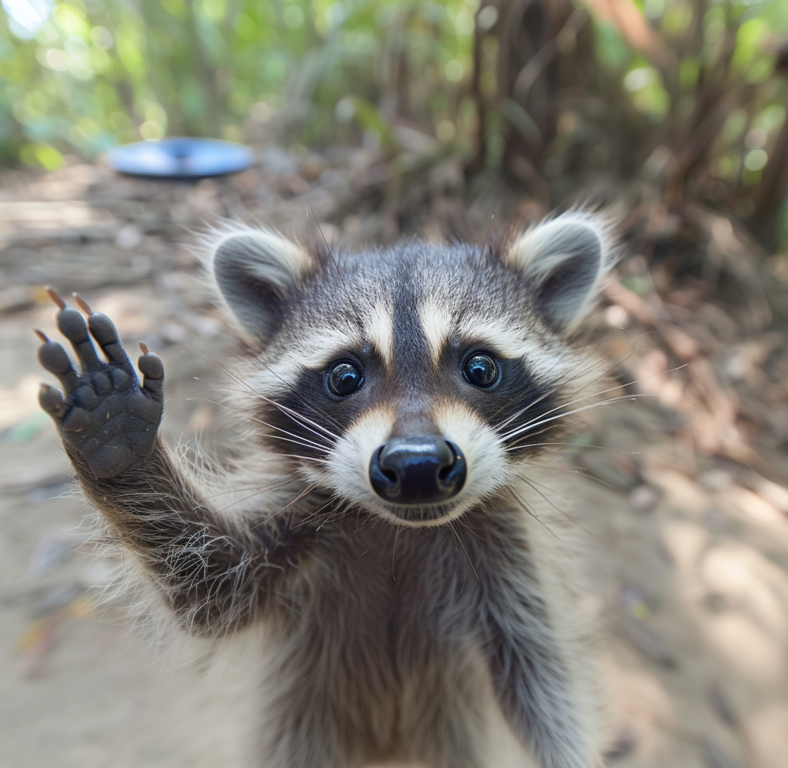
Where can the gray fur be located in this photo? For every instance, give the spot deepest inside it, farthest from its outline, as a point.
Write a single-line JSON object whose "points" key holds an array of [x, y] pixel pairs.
{"points": [[387, 640]]}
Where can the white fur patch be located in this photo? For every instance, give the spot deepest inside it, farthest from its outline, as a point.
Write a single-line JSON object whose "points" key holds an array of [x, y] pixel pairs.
{"points": [[379, 330], [436, 325], [313, 351], [348, 467], [483, 450]]}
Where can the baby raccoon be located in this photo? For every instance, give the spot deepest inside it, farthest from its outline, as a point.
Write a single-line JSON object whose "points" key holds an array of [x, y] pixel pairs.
{"points": [[379, 526]]}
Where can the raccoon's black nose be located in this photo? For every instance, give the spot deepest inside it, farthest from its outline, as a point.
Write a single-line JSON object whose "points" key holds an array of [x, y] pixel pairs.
{"points": [[417, 470]]}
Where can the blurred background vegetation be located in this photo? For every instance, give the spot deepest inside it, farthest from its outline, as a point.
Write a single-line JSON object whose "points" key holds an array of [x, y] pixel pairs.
{"points": [[670, 99]]}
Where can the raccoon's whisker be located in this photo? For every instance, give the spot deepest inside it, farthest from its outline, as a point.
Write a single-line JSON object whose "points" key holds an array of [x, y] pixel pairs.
{"points": [[273, 487], [309, 446], [393, 555], [522, 410], [573, 470], [576, 445], [289, 504], [314, 409], [462, 545], [557, 509], [382, 536], [585, 398], [368, 519], [310, 406], [533, 424], [257, 492], [468, 527], [539, 399], [308, 424], [230, 374], [302, 458], [331, 513], [542, 485], [562, 383], [299, 417], [304, 440], [529, 435], [319, 412], [521, 501], [627, 384], [334, 498], [292, 413], [297, 438]]}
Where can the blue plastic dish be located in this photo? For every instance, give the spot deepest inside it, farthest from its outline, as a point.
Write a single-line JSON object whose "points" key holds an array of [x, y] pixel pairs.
{"points": [[180, 158]]}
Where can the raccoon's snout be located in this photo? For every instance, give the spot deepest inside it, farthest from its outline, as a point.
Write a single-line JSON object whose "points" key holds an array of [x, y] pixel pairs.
{"points": [[417, 470]]}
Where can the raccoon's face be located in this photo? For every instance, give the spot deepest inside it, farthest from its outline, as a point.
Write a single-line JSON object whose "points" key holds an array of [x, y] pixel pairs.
{"points": [[416, 381]]}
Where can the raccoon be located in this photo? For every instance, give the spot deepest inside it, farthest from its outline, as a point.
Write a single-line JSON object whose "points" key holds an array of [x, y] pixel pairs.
{"points": [[380, 528]]}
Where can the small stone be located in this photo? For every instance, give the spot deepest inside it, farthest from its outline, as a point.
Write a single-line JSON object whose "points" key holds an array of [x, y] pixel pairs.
{"points": [[643, 498], [637, 604], [128, 237], [716, 480]]}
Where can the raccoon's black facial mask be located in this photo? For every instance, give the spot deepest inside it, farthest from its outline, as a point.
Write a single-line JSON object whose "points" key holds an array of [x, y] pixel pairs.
{"points": [[413, 381]]}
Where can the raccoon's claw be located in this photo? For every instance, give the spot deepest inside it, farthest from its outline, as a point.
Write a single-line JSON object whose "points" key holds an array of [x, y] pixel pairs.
{"points": [[103, 413]]}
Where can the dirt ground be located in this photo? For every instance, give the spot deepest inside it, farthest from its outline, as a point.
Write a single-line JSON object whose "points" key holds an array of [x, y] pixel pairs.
{"points": [[682, 491]]}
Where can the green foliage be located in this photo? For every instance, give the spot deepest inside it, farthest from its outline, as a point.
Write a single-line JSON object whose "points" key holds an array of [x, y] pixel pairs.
{"points": [[92, 74], [96, 74]]}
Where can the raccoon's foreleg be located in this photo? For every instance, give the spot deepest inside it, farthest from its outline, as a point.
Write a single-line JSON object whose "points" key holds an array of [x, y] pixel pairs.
{"points": [[537, 689], [108, 422]]}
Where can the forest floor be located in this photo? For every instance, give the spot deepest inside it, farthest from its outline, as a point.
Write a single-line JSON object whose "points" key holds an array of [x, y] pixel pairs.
{"points": [[683, 492]]}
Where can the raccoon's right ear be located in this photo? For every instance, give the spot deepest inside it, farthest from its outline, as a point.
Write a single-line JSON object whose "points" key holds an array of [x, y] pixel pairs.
{"points": [[566, 259], [255, 271]]}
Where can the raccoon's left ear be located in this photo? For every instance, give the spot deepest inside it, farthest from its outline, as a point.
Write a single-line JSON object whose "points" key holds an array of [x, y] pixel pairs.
{"points": [[567, 259]]}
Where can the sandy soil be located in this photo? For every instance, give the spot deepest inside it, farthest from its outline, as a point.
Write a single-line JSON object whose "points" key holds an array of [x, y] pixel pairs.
{"points": [[688, 548]]}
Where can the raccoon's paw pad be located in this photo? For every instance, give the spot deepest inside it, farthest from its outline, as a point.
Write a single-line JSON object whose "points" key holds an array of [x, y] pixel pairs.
{"points": [[103, 413]]}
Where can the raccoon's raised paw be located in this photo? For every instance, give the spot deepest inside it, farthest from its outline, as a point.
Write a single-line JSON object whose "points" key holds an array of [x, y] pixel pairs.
{"points": [[103, 412]]}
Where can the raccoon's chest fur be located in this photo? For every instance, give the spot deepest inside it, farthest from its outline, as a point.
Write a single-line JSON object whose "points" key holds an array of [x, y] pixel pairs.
{"points": [[382, 628]]}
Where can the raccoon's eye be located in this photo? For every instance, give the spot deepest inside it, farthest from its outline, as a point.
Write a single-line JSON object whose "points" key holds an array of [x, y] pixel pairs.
{"points": [[480, 370], [344, 378]]}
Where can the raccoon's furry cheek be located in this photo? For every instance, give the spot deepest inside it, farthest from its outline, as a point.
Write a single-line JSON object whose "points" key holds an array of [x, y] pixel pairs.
{"points": [[348, 465], [488, 465]]}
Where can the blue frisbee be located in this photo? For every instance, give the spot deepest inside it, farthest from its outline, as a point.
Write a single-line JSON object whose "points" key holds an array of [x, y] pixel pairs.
{"points": [[180, 158]]}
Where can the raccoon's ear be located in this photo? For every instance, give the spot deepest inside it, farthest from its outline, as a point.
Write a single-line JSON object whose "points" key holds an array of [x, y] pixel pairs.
{"points": [[567, 259], [255, 271]]}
